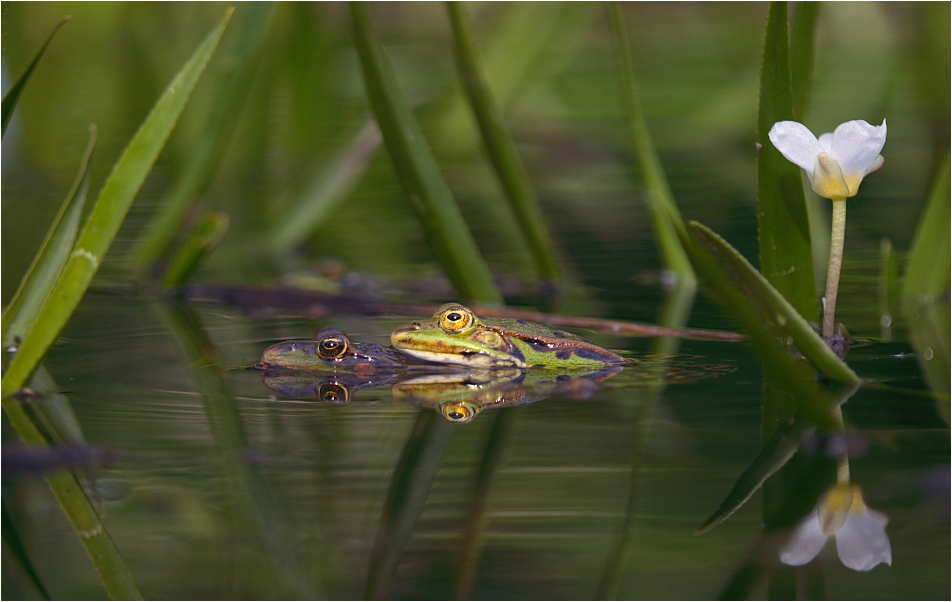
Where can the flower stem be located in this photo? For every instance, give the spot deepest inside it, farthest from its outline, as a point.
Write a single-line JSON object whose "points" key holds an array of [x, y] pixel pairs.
{"points": [[837, 235], [843, 462]]}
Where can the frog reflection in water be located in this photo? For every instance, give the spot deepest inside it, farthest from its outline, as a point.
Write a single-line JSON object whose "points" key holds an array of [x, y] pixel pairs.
{"points": [[334, 389], [456, 336], [458, 396], [331, 350]]}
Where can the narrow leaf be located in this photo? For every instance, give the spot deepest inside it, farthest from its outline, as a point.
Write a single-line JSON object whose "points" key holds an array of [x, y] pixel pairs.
{"points": [[11, 536], [500, 146], [783, 226], [778, 309], [802, 51], [927, 272], [232, 85], [10, 99], [48, 263], [409, 488], [107, 215], [664, 211], [447, 233], [925, 299], [198, 244], [328, 189], [251, 505], [773, 456], [473, 538]]}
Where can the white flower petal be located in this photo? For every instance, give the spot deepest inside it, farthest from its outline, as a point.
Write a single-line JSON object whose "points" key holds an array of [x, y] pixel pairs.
{"points": [[856, 144], [862, 542], [805, 543], [796, 143], [826, 142]]}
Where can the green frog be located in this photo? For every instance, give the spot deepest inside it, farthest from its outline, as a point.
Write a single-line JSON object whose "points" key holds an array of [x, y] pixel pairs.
{"points": [[331, 350], [456, 336]]}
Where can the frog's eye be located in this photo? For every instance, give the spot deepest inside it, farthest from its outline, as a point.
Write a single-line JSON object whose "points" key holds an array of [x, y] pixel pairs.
{"points": [[456, 319], [333, 393], [332, 347], [458, 412]]}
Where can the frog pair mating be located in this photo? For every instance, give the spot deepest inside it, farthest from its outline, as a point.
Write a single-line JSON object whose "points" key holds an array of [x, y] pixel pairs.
{"points": [[455, 336]]}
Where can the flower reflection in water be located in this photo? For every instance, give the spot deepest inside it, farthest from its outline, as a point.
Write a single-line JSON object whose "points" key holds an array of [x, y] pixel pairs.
{"points": [[860, 533]]}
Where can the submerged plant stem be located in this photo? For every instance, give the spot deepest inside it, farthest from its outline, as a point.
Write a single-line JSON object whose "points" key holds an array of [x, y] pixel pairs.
{"points": [[837, 236]]}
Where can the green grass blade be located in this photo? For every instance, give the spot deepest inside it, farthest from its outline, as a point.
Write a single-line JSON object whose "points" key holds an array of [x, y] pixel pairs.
{"points": [[500, 146], [473, 537], [774, 455], [36, 284], [329, 188], [447, 233], [802, 51], [232, 84], [783, 226], [10, 99], [107, 215], [11, 537], [927, 270], [79, 510], [201, 241], [251, 506], [776, 307], [779, 448], [55, 409], [664, 211], [925, 304], [409, 488]]}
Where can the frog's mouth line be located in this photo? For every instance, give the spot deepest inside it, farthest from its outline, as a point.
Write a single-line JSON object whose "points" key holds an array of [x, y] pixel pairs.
{"points": [[459, 358]]}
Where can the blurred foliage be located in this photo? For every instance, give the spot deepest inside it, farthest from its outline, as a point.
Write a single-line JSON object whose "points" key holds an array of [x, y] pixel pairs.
{"points": [[554, 72], [558, 90]]}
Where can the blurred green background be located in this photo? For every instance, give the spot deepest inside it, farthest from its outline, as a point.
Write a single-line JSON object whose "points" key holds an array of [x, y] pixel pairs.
{"points": [[560, 497], [553, 69]]}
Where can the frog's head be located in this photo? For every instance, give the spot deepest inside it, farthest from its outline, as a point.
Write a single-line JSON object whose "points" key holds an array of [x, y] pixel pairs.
{"points": [[330, 348], [456, 336]]}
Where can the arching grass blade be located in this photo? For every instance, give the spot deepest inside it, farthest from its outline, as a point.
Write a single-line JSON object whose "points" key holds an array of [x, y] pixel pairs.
{"points": [[775, 307], [107, 215], [10, 99], [11, 537], [18, 317], [232, 85], [786, 258], [925, 312], [201, 241], [447, 233], [664, 211], [330, 186], [500, 146]]}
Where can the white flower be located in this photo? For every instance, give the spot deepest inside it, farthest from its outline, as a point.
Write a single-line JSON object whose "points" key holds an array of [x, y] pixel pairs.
{"points": [[837, 162], [860, 533]]}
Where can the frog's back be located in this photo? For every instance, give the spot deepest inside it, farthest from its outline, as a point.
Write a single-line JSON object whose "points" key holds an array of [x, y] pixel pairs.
{"points": [[561, 344]]}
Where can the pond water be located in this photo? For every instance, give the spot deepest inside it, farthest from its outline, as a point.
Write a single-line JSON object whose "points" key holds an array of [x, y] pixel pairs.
{"points": [[214, 486], [227, 490]]}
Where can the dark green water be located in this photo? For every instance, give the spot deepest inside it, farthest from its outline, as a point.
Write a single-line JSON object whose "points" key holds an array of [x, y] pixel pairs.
{"points": [[213, 487]]}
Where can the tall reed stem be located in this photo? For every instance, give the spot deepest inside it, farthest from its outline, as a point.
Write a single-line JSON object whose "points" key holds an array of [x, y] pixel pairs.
{"points": [[837, 236]]}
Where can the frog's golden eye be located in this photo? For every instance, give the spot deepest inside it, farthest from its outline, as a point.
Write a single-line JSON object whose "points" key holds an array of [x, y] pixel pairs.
{"points": [[456, 319], [332, 347], [333, 393], [458, 412]]}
